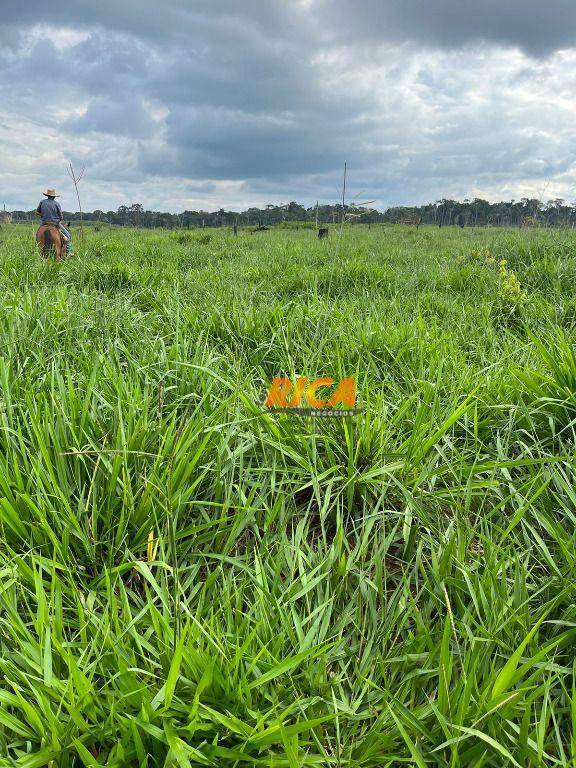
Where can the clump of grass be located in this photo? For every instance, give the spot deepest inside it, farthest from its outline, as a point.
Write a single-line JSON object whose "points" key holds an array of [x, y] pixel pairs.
{"points": [[193, 238], [109, 278]]}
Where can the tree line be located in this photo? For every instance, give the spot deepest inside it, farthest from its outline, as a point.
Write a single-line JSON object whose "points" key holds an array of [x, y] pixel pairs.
{"points": [[466, 213]]}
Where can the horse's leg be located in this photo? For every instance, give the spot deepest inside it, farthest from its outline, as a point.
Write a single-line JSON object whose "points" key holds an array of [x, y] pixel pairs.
{"points": [[43, 241], [58, 246], [47, 244]]}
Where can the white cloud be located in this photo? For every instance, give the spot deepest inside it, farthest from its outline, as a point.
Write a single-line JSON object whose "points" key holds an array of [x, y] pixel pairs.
{"points": [[229, 108]]}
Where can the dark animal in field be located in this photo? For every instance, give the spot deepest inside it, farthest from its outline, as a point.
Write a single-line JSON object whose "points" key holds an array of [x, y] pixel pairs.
{"points": [[96, 229], [259, 228], [322, 233], [49, 241]]}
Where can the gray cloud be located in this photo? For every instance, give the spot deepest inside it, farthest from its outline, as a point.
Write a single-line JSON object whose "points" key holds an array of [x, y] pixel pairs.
{"points": [[104, 115], [216, 143], [265, 100], [539, 28]]}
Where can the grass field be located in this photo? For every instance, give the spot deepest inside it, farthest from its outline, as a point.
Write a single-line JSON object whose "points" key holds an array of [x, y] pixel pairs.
{"points": [[189, 580]]}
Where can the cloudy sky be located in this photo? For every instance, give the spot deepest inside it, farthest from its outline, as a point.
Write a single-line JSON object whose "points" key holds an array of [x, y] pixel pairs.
{"points": [[202, 104]]}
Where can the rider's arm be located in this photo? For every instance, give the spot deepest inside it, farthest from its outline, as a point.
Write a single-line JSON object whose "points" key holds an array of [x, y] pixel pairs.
{"points": [[37, 211]]}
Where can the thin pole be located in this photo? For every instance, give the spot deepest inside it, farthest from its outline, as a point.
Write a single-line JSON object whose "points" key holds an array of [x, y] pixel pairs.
{"points": [[343, 200], [76, 179]]}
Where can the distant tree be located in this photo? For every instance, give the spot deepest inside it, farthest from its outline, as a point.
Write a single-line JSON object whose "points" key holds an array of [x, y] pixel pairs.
{"points": [[443, 212]]}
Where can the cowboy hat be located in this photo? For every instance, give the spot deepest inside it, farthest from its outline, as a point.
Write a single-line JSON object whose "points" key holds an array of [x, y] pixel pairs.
{"points": [[50, 193]]}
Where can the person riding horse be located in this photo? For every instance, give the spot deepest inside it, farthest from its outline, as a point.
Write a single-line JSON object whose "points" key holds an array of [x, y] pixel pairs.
{"points": [[52, 217]]}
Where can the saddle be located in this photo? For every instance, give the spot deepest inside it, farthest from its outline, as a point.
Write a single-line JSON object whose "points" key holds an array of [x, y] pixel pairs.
{"points": [[50, 228], [49, 233]]}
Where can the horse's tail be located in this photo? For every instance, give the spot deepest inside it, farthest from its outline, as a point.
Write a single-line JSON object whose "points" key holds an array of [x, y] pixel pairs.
{"points": [[49, 241]]}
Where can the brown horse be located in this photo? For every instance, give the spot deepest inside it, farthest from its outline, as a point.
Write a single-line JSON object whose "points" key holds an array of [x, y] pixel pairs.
{"points": [[49, 240]]}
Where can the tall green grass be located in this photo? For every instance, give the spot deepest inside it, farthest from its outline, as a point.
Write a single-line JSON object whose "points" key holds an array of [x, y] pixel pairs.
{"points": [[188, 580]]}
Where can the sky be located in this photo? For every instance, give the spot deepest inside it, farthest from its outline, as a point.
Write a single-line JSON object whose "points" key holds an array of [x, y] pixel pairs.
{"points": [[202, 104]]}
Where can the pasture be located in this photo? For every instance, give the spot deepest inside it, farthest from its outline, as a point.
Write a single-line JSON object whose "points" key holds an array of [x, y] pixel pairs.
{"points": [[189, 580]]}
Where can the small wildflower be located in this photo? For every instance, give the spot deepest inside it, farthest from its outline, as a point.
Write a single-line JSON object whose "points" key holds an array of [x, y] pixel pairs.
{"points": [[510, 288]]}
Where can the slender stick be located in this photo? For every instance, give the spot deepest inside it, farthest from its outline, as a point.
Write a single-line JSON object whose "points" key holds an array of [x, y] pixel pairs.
{"points": [[343, 215], [76, 179]]}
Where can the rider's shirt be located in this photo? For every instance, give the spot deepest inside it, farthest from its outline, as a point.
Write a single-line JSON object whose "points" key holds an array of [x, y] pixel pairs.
{"points": [[50, 211]]}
